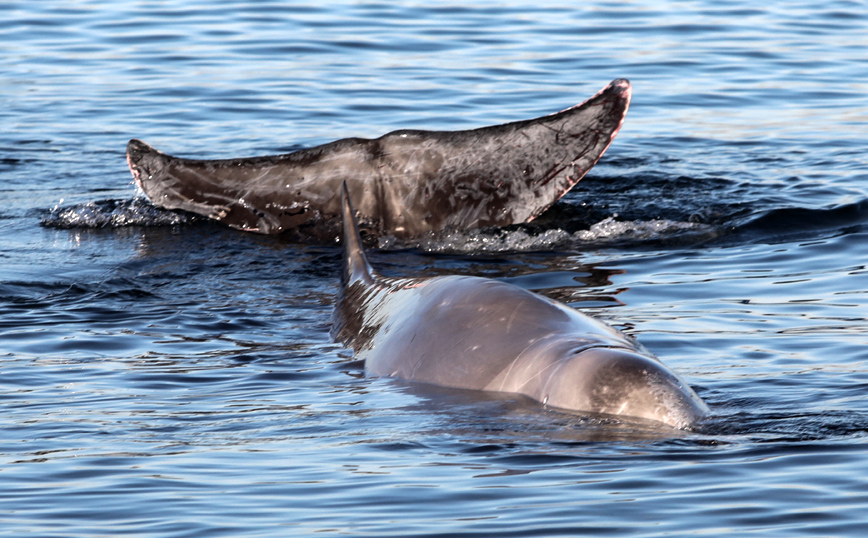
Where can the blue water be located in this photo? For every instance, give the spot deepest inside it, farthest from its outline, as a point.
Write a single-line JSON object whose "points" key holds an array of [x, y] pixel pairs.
{"points": [[163, 376]]}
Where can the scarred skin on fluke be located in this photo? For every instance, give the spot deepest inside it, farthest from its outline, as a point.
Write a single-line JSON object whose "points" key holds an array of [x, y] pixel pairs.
{"points": [[476, 333], [405, 183]]}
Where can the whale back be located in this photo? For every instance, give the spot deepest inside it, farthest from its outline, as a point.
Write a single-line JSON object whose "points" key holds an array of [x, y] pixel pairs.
{"points": [[478, 333]]}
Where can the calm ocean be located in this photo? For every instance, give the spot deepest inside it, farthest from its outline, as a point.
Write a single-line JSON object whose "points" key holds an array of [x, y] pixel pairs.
{"points": [[161, 376]]}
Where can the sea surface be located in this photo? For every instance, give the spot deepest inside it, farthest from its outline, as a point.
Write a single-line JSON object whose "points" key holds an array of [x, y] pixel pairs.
{"points": [[165, 376]]}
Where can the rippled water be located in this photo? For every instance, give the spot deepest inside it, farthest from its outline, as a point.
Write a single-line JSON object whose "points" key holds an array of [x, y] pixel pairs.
{"points": [[165, 376]]}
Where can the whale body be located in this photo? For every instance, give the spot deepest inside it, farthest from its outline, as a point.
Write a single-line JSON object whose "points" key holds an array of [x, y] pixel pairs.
{"points": [[477, 333], [405, 183]]}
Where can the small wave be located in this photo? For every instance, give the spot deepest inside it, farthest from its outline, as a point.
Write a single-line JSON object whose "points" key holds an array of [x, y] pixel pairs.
{"points": [[791, 222], [114, 214], [604, 233]]}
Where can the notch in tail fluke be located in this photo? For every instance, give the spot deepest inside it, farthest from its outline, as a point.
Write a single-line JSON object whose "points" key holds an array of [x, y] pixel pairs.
{"points": [[356, 266]]}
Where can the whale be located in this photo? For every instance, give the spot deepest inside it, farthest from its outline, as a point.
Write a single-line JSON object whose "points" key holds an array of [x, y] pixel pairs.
{"points": [[405, 183], [477, 333]]}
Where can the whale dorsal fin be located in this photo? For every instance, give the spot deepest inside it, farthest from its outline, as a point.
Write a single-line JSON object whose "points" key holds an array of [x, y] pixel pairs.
{"points": [[356, 266]]}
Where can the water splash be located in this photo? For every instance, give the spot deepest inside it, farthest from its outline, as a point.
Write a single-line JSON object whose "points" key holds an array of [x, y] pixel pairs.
{"points": [[113, 214], [608, 232]]}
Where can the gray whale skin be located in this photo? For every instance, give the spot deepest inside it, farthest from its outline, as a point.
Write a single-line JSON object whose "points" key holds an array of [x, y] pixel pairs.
{"points": [[477, 333], [405, 183]]}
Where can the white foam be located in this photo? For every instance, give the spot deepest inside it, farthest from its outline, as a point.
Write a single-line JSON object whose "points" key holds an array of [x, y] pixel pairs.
{"points": [[113, 214], [606, 232]]}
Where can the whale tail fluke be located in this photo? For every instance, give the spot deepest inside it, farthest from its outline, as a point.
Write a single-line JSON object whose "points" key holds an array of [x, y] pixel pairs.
{"points": [[356, 266], [515, 171]]}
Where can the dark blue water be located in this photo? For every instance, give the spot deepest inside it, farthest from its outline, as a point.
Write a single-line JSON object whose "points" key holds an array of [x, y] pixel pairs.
{"points": [[163, 376]]}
